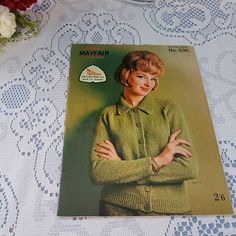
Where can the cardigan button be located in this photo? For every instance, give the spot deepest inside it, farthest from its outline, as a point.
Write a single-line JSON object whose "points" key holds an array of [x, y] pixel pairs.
{"points": [[147, 208], [138, 124], [147, 189], [140, 141]]}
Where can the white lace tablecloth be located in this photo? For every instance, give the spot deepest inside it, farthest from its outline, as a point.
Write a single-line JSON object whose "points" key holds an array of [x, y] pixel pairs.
{"points": [[33, 91]]}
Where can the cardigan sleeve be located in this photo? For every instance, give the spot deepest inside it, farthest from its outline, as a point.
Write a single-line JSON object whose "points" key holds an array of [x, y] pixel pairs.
{"points": [[181, 168], [105, 171]]}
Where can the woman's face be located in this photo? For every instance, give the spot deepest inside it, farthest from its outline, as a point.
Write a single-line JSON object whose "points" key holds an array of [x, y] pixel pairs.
{"points": [[140, 83]]}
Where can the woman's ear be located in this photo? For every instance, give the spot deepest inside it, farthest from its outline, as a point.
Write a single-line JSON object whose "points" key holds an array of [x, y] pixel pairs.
{"points": [[156, 85], [124, 77]]}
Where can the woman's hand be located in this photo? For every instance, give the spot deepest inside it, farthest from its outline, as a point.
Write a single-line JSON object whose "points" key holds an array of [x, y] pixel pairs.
{"points": [[107, 150], [172, 148]]}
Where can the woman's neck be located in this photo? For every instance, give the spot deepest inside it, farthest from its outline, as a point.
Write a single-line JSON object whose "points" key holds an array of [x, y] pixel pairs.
{"points": [[132, 100]]}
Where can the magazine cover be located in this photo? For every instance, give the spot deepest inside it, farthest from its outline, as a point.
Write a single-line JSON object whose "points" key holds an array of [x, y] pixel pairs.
{"points": [[139, 139]]}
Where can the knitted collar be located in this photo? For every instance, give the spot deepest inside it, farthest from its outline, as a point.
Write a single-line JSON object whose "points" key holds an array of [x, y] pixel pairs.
{"points": [[146, 105]]}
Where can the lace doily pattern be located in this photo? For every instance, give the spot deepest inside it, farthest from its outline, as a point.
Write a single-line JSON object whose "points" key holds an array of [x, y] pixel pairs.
{"points": [[73, 9], [127, 227], [220, 85], [39, 133], [41, 13], [189, 226], [45, 70], [228, 151], [95, 29], [3, 129], [14, 95], [9, 206], [198, 22]]}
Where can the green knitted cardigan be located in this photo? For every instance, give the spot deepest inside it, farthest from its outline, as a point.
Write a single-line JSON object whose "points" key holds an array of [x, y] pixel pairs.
{"points": [[138, 135]]}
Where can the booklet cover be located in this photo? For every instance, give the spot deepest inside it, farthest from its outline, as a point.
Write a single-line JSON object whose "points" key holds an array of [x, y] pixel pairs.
{"points": [[139, 138]]}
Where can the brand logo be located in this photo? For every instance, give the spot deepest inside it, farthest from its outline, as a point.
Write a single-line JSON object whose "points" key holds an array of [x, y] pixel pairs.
{"points": [[92, 74]]}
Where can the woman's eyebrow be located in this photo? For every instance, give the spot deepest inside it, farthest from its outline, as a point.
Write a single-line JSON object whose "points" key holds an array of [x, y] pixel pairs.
{"points": [[143, 74]]}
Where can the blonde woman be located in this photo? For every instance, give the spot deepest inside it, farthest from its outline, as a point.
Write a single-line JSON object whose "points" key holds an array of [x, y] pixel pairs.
{"points": [[142, 146]]}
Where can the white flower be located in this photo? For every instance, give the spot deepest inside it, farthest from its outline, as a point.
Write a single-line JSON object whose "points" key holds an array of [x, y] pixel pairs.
{"points": [[7, 22]]}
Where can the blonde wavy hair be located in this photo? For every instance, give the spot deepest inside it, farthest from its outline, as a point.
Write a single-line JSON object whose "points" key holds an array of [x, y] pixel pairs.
{"points": [[139, 60]]}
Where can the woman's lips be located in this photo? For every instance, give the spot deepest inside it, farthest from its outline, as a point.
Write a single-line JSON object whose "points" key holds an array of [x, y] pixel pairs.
{"points": [[145, 89]]}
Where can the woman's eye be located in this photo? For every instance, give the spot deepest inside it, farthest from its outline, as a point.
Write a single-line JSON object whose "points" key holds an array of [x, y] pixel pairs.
{"points": [[141, 77], [153, 79]]}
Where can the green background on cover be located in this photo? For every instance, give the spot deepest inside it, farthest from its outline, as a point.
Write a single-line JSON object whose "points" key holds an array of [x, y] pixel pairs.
{"points": [[181, 83]]}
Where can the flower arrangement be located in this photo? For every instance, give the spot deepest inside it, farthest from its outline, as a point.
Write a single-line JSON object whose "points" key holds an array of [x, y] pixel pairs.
{"points": [[14, 25]]}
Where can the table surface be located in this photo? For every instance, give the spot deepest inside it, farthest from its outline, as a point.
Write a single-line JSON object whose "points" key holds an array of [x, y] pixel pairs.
{"points": [[33, 91]]}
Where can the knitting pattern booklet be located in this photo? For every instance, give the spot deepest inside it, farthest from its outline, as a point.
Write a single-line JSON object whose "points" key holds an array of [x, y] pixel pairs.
{"points": [[96, 103]]}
